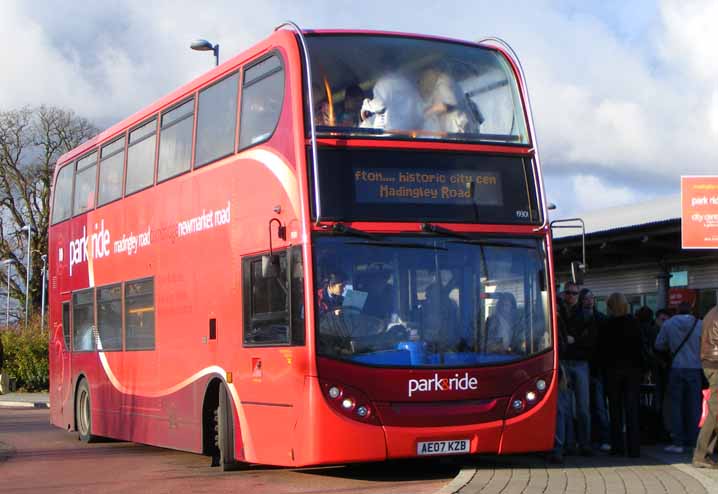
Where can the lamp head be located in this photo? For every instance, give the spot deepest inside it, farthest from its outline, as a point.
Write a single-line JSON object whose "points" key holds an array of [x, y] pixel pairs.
{"points": [[201, 45]]}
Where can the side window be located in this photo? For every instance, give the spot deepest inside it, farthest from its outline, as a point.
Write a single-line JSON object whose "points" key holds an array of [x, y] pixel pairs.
{"points": [[266, 303], [66, 324], [141, 157], [175, 141], [62, 199], [109, 317], [262, 97], [83, 321], [112, 158], [140, 315], [85, 184], [216, 121]]}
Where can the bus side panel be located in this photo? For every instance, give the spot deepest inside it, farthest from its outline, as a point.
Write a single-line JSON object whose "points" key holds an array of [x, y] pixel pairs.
{"points": [[323, 436], [534, 430], [171, 419]]}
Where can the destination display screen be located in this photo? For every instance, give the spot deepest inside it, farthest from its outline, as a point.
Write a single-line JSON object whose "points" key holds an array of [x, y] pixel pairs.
{"points": [[399, 185], [406, 185]]}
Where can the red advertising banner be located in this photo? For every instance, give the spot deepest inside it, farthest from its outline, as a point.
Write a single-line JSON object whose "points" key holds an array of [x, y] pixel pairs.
{"points": [[699, 212], [676, 296]]}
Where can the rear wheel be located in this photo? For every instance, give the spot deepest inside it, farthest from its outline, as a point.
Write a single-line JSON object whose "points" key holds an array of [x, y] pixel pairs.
{"points": [[83, 414]]}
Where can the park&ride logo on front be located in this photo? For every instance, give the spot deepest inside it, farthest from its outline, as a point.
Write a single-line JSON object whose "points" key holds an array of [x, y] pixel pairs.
{"points": [[438, 383]]}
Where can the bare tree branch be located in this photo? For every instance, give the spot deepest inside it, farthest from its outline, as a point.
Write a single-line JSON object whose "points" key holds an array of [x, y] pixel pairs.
{"points": [[31, 142]]}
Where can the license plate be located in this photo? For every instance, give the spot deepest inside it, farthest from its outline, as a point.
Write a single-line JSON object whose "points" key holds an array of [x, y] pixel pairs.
{"points": [[443, 447]]}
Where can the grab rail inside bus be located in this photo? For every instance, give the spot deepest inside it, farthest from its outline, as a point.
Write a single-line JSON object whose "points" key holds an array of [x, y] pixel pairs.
{"points": [[577, 269], [529, 113], [313, 130]]}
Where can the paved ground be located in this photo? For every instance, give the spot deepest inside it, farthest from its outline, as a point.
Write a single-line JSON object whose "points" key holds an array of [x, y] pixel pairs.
{"points": [[40, 458], [655, 472]]}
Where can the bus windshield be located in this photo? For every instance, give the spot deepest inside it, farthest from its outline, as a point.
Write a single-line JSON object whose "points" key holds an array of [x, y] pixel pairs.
{"points": [[443, 301], [399, 87]]}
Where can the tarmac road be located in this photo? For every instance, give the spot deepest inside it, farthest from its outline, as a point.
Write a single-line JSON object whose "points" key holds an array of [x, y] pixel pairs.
{"points": [[37, 457]]}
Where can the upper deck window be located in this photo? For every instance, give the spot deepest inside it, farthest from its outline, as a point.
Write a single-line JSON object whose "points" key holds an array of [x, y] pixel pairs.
{"points": [[85, 179], [176, 141], [400, 87], [112, 158], [62, 198], [141, 157], [262, 96], [216, 121]]}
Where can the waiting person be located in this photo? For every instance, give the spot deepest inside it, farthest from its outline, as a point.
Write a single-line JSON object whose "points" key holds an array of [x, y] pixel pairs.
{"points": [[329, 297], [588, 316], [564, 438], [681, 334], [709, 358], [662, 367], [578, 352], [619, 351], [446, 107]]}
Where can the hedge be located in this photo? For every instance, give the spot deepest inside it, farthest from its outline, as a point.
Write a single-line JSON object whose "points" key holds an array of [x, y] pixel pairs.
{"points": [[26, 355]]}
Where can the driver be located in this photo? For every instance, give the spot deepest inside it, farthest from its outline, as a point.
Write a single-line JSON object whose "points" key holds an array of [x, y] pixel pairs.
{"points": [[329, 297]]}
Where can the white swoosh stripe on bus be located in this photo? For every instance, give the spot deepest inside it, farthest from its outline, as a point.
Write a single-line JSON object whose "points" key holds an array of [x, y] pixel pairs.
{"points": [[214, 369], [280, 168]]}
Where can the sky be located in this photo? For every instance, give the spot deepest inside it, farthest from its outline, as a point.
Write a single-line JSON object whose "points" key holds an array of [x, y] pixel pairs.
{"points": [[624, 94]]}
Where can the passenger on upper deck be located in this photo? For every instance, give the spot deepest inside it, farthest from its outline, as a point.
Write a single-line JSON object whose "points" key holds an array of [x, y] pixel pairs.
{"points": [[446, 107], [395, 102], [353, 98]]}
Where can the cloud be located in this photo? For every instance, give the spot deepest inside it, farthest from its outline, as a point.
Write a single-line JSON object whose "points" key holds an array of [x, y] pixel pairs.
{"points": [[625, 90]]}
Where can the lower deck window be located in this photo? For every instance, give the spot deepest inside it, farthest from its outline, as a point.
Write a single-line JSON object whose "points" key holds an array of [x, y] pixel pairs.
{"points": [[140, 315]]}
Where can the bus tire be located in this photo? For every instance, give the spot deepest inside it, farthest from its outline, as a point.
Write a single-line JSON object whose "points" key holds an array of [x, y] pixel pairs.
{"points": [[83, 412]]}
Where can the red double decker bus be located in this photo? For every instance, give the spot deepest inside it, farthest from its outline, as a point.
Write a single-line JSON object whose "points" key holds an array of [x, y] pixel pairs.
{"points": [[331, 248]]}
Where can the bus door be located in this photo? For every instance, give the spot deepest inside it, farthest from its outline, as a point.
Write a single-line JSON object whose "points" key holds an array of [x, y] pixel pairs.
{"points": [[60, 368], [273, 339]]}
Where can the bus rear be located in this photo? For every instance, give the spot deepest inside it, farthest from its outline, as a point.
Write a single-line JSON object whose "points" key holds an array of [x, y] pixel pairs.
{"points": [[430, 263]]}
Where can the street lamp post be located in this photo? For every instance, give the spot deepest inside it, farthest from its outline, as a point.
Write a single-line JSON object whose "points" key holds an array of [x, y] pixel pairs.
{"points": [[204, 45], [27, 272], [7, 262]]}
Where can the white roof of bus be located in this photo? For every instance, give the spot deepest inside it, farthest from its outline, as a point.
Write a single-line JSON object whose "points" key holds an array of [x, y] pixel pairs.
{"points": [[628, 215]]}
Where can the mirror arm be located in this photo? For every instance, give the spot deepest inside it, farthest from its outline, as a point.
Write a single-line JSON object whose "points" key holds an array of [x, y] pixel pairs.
{"points": [[281, 232]]}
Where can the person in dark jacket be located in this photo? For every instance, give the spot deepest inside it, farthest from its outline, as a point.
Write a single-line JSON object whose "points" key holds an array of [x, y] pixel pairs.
{"points": [[564, 435], [709, 359], [588, 316], [582, 328], [619, 352]]}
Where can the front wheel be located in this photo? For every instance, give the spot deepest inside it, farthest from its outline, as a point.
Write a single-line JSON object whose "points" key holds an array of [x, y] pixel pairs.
{"points": [[83, 415]]}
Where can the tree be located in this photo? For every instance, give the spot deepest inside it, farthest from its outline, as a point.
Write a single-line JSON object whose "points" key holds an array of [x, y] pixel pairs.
{"points": [[31, 142]]}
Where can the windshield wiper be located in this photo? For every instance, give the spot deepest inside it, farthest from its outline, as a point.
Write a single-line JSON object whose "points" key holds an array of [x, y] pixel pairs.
{"points": [[431, 228], [399, 245], [494, 243], [348, 230]]}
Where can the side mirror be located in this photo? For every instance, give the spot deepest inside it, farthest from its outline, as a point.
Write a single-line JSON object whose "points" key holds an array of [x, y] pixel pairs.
{"points": [[578, 270], [270, 266]]}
